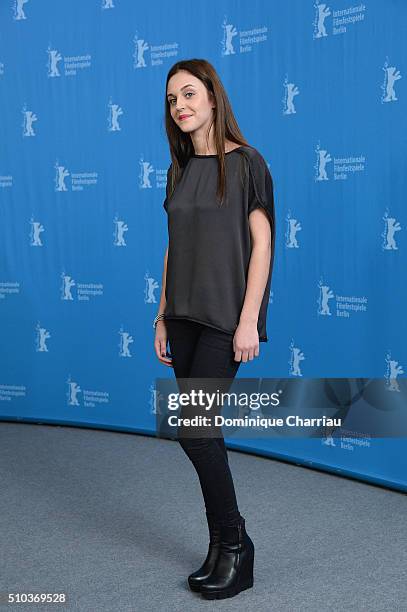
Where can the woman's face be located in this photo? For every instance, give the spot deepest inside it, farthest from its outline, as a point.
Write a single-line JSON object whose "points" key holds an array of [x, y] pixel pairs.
{"points": [[189, 101]]}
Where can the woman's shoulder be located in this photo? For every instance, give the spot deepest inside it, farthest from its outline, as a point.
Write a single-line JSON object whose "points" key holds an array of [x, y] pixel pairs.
{"points": [[255, 161], [252, 153]]}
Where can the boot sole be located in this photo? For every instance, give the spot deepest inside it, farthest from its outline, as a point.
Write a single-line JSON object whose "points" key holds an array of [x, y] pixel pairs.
{"points": [[228, 593], [195, 587]]}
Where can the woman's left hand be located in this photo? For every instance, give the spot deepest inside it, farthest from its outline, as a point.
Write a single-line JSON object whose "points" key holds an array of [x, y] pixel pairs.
{"points": [[246, 341]]}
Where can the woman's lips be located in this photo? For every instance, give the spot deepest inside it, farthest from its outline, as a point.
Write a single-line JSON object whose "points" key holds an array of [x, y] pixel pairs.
{"points": [[183, 117]]}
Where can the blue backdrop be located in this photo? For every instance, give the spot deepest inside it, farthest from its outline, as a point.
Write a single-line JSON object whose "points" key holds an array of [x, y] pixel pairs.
{"points": [[317, 88]]}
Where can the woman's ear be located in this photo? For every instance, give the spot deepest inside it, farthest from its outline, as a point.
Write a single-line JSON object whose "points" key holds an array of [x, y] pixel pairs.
{"points": [[213, 100]]}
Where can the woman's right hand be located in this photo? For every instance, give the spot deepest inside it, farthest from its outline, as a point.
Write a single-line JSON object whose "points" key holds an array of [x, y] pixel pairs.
{"points": [[160, 343]]}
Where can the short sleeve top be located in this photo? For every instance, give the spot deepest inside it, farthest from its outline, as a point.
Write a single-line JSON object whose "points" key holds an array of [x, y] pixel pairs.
{"points": [[209, 244]]}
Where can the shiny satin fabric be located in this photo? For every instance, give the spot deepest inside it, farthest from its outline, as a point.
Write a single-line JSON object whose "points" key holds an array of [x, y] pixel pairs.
{"points": [[210, 245]]}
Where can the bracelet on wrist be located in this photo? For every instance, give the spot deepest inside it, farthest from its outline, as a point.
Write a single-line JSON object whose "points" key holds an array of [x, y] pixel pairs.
{"points": [[159, 317]]}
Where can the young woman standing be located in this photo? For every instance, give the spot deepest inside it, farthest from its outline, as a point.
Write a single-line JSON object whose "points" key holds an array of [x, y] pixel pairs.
{"points": [[215, 290]]}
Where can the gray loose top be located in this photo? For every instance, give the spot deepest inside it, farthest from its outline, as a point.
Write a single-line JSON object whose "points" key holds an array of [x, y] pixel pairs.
{"points": [[209, 245]]}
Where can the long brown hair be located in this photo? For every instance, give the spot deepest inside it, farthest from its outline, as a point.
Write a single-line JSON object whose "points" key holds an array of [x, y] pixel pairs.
{"points": [[226, 127]]}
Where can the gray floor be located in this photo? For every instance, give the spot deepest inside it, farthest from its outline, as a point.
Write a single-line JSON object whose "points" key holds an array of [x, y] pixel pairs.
{"points": [[116, 521]]}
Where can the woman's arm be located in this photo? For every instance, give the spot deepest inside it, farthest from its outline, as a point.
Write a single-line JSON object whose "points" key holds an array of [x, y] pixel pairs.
{"points": [[163, 301], [246, 339], [160, 340]]}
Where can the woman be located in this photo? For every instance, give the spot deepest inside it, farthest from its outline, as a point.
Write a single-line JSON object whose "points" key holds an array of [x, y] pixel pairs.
{"points": [[215, 288]]}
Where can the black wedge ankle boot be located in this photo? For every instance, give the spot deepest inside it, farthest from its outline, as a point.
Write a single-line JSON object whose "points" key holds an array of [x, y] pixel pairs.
{"points": [[195, 579], [233, 571]]}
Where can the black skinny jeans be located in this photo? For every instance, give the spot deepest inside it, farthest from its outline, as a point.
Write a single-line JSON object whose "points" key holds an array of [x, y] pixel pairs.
{"points": [[200, 351]]}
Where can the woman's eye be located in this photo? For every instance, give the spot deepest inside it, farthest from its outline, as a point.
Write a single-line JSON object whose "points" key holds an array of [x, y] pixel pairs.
{"points": [[187, 94]]}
